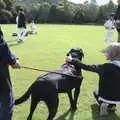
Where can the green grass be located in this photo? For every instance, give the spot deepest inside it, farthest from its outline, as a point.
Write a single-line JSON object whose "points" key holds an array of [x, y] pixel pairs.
{"points": [[47, 50]]}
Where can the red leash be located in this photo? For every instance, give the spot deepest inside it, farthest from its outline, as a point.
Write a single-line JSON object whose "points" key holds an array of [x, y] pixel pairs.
{"points": [[80, 77]]}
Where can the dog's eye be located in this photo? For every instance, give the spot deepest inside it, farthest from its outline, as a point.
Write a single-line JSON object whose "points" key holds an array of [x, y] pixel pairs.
{"points": [[67, 54]]}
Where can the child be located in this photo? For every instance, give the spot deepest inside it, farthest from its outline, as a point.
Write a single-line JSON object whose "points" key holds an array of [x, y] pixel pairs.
{"points": [[109, 78], [109, 26], [32, 28]]}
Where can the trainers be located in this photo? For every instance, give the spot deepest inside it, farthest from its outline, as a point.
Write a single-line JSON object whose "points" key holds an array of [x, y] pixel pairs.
{"points": [[20, 41], [112, 108]]}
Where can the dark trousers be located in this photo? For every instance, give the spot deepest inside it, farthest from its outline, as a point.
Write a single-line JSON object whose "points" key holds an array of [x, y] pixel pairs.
{"points": [[6, 106]]}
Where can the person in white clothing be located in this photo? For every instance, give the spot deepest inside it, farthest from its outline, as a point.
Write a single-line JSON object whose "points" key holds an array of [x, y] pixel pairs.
{"points": [[32, 28], [21, 24], [109, 26]]}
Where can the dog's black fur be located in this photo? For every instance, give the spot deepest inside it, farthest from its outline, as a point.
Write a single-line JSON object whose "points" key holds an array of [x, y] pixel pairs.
{"points": [[47, 87]]}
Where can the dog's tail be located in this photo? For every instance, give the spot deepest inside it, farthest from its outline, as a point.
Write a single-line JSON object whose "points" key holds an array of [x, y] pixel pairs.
{"points": [[24, 97]]}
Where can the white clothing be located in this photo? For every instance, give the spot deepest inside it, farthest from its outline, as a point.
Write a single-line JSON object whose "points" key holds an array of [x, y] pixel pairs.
{"points": [[21, 34], [33, 27], [17, 19], [109, 26]]}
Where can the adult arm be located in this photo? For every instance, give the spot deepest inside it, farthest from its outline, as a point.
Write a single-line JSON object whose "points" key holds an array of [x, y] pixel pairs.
{"points": [[6, 55]]}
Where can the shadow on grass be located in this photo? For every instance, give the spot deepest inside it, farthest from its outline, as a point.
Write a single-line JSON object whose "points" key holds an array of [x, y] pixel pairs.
{"points": [[71, 117], [96, 116], [13, 43]]}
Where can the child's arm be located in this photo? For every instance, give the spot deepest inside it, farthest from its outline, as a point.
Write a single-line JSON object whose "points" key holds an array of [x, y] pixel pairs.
{"points": [[92, 68]]}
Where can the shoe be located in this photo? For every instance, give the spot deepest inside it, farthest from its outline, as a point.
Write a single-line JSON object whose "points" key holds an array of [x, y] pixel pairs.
{"points": [[20, 41], [111, 108]]}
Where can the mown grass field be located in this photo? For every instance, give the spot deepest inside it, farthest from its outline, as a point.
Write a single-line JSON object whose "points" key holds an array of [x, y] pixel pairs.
{"points": [[47, 50]]}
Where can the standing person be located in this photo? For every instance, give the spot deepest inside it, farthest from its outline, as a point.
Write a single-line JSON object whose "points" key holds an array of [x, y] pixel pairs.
{"points": [[6, 95], [117, 20], [109, 26], [107, 94], [21, 23]]}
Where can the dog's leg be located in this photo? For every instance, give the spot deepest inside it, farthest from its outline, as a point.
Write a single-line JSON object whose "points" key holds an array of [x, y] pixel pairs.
{"points": [[52, 107], [76, 94], [71, 99], [32, 107]]}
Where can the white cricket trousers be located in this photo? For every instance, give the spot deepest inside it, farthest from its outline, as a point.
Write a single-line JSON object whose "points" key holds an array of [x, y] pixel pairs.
{"points": [[21, 34], [109, 36]]}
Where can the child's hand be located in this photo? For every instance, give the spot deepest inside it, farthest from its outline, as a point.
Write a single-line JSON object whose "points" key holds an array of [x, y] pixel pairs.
{"points": [[16, 65]]}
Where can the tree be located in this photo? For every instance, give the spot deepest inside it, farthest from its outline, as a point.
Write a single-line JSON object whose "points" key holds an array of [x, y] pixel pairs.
{"points": [[2, 5], [5, 11], [5, 16], [105, 11], [52, 14], [43, 11]]}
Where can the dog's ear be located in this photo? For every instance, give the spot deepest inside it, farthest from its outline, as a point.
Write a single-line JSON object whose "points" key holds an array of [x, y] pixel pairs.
{"points": [[82, 53]]}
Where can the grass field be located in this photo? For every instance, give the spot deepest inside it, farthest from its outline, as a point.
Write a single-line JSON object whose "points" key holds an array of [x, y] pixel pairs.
{"points": [[47, 50]]}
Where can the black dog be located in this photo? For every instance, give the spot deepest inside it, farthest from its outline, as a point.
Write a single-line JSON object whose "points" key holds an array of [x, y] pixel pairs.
{"points": [[47, 86]]}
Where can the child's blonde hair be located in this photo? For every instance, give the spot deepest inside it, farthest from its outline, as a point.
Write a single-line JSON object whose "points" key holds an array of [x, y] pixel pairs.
{"points": [[112, 51]]}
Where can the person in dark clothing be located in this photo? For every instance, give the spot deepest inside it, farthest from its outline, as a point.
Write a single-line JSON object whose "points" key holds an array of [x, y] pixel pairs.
{"points": [[107, 94], [117, 20], [6, 95], [21, 23]]}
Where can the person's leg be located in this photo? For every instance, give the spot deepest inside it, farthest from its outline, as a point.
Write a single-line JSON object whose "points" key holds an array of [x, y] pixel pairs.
{"points": [[111, 33], [103, 109], [95, 93], [112, 107], [23, 34], [106, 36], [19, 34], [6, 106]]}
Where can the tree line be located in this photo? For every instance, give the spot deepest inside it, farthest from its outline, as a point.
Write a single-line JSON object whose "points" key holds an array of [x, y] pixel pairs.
{"points": [[63, 12]]}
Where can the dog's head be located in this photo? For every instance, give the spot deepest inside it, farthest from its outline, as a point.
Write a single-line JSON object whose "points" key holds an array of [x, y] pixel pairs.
{"points": [[76, 53]]}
